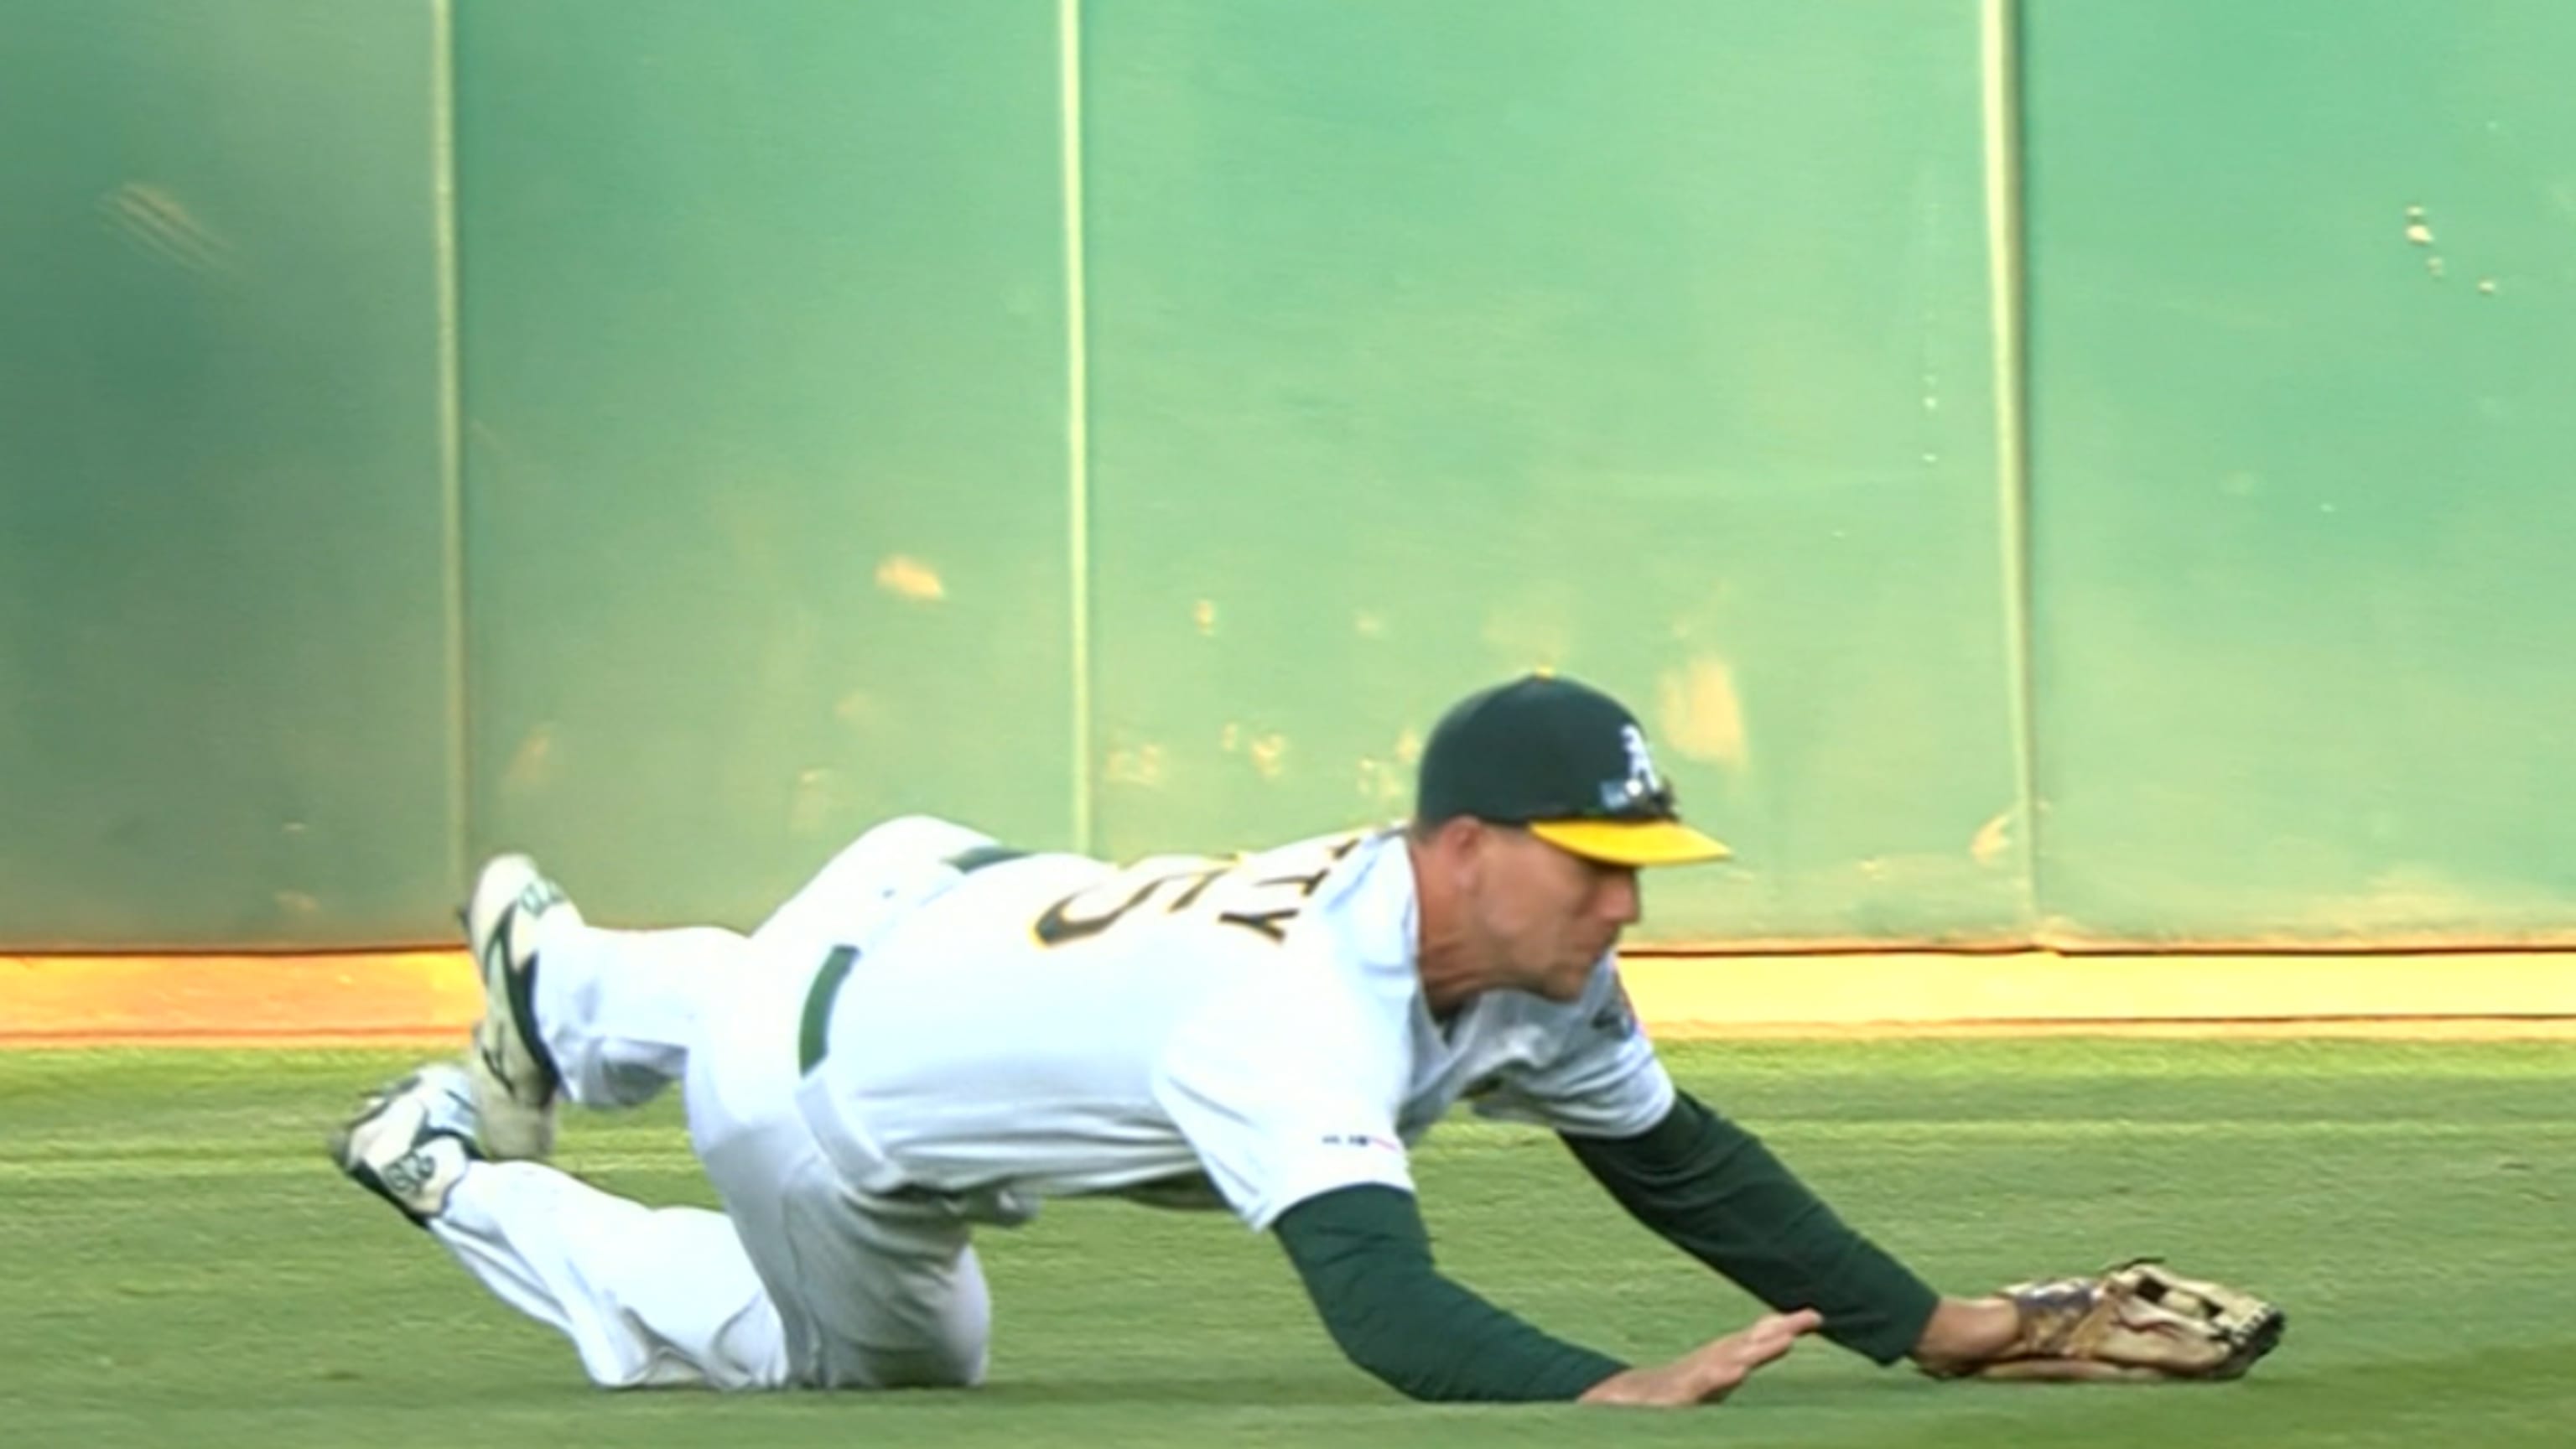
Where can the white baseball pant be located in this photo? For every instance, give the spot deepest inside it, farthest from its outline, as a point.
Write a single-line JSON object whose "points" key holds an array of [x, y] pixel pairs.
{"points": [[801, 1281]]}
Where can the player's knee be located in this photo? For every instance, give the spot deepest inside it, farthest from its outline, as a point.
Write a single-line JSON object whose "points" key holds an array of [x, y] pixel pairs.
{"points": [[615, 1368], [941, 1368]]}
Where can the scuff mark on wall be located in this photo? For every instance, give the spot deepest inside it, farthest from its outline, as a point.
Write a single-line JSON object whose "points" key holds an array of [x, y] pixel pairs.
{"points": [[532, 763], [1142, 765], [1993, 840], [2419, 232], [152, 218], [910, 578], [1269, 755], [811, 804], [1699, 713]]}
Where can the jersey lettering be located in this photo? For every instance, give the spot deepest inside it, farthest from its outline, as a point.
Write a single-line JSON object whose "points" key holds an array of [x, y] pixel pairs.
{"points": [[1080, 914], [1264, 905]]}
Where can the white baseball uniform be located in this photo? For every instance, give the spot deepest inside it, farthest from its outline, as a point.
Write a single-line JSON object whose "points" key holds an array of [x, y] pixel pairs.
{"points": [[909, 1047]]}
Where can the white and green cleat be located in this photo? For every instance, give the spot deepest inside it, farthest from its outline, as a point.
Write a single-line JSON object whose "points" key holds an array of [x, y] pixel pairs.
{"points": [[411, 1142], [514, 1077]]}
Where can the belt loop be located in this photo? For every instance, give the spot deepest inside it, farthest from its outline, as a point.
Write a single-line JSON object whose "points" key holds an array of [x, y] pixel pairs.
{"points": [[812, 1035]]}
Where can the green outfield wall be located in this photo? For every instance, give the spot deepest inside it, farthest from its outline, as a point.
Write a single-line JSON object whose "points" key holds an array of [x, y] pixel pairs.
{"points": [[2077, 471]]}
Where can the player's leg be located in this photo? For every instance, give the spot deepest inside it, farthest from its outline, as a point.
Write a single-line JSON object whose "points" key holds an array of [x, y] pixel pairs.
{"points": [[570, 1009], [610, 1018], [886, 871], [647, 1297], [874, 1292]]}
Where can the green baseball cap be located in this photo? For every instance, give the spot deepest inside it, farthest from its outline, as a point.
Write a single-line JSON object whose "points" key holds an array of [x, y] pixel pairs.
{"points": [[1565, 761]]}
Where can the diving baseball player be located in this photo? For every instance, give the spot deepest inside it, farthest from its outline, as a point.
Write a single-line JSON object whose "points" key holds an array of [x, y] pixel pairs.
{"points": [[939, 1033]]}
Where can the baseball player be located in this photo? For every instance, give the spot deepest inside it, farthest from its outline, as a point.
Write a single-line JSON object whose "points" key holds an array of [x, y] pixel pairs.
{"points": [[939, 1032]]}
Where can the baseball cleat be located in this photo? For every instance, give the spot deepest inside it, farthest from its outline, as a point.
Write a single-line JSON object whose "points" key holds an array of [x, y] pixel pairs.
{"points": [[411, 1141], [514, 1077]]}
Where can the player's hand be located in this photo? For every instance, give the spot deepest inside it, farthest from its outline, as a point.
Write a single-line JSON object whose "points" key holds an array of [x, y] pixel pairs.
{"points": [[1710, 1372]]}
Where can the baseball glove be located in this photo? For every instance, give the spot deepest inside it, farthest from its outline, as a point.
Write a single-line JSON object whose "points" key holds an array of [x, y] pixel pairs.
{"points": [[2137, 1322]]}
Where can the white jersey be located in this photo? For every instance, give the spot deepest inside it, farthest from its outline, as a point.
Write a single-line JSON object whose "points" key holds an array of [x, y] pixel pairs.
{"points": [[1190, 1032]]}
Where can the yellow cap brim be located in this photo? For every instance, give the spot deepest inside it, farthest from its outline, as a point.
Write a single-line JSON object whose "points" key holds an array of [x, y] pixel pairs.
{"points": [[1630, 842]]}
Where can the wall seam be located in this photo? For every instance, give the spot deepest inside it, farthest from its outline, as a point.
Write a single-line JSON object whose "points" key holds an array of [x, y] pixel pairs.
{"points": [[1077, 411], [451, 461], [1999, 27]]}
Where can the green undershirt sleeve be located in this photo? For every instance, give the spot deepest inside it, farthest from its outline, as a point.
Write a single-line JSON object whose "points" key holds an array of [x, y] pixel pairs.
{"points": [[1717, 1193], [1366, 1261]]}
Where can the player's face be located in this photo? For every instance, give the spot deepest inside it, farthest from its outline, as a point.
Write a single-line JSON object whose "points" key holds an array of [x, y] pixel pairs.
{"points": [[1549, 914]]}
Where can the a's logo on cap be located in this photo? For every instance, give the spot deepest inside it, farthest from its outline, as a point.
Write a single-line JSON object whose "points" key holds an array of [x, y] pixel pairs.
{"points": [[1643, 788]]}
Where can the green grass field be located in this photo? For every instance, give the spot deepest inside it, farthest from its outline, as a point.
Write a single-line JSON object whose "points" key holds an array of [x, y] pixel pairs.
{"points": [[179, 1264]]}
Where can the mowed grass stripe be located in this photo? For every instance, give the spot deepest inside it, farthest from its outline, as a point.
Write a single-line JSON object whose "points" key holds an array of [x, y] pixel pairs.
{"points": [[165, 1158], [183, 1266]]}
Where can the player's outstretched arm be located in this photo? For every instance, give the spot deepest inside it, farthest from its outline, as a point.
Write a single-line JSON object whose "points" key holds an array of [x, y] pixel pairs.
{"points": [[1717, 1193], [1366, 1261]]}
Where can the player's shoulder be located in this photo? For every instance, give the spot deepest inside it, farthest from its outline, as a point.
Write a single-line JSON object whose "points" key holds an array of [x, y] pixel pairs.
{"points": [[1338, 908], [1359, 892], [1320, 858]]}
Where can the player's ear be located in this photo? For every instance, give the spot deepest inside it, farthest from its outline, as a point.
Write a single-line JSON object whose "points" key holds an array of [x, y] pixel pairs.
{"points": [[1448, 845], [1470, 843]]}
